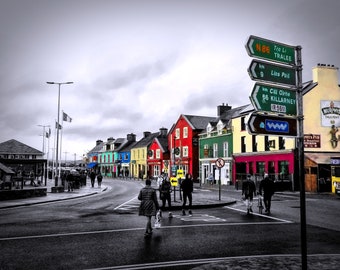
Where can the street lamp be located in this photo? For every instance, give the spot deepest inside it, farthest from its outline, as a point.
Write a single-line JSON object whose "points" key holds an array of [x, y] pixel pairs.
{"points": [[58, 125]]}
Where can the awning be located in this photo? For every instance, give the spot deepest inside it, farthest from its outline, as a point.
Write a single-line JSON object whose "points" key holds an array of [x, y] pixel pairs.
{"points": [[321, 158], [91, 165], [5, 169]]}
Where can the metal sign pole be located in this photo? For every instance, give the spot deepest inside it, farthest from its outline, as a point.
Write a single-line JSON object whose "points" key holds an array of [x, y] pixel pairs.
{"points": [[219, 184], [300, 148]]}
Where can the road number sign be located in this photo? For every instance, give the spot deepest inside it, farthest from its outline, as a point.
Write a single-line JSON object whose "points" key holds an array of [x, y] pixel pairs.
{"points": [[273, 99], [270, 50]]}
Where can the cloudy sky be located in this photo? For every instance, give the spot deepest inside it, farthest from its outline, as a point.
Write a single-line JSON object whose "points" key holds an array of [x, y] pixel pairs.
{"points": [[137, 65]]}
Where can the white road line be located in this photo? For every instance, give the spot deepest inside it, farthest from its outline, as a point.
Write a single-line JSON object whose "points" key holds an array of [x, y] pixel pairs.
{"points": [[140, 229], [202, 261], [256, 214], [120, 206]]}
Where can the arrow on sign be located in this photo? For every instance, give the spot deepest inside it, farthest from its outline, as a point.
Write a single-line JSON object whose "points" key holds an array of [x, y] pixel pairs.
{"points": [[272, 125], [263, 71]]}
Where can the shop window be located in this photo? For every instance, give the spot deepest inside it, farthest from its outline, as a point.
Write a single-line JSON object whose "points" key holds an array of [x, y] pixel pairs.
{"points": [[260, 167], [283, 169]]}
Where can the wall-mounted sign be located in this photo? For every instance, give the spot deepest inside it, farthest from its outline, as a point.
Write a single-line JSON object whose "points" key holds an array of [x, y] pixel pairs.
{"points": [[312, 140], [330, 113]]}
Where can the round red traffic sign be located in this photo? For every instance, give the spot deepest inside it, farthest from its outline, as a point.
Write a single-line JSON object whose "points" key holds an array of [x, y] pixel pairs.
{"points": [[220, 162]]}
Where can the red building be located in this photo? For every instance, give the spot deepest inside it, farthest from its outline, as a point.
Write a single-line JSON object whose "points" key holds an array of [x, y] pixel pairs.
{"points": [[158, 154], [184, 146]]}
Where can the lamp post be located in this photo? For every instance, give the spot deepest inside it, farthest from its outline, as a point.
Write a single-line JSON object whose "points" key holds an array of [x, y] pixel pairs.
{"points": [[43, 150], [58, 125]]}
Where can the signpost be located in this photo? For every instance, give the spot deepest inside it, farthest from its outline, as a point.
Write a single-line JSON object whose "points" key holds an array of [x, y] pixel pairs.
{"points": [[288, 74], [273, 99], [270, 50], [263, 71], [219, 164], [272, 125]]}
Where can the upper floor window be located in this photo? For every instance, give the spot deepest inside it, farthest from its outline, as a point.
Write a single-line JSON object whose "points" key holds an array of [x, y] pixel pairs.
{"points": [[215, 150], [243, 123], [178, 133], [220, 127], [225, 149], [158, 153], [185, 132]]}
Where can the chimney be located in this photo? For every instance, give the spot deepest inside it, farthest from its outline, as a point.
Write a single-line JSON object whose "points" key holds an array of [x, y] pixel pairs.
{"points": [[98, 142], [146, 133], [110, 140], [163, 132], [131, 137], [221, 109]]}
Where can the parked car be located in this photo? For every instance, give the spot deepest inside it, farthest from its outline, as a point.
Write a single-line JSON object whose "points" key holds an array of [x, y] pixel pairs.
{"points": [[337, 188]]}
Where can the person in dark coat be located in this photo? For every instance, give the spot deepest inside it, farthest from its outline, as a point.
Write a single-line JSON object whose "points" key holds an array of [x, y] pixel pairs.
{"points": [[268, 187], [249, 191], [70, 183], [187, 187], [165, 194], [99, 179], [92, 177], [149, 204]]}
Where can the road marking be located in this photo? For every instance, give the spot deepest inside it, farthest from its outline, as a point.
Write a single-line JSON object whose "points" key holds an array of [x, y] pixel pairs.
{"points": [[203, 217], [157, 265], [125, 203], [261, 215]]}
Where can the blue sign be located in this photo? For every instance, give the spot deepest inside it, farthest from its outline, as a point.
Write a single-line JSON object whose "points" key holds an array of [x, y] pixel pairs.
{"points": [[277, 126]]}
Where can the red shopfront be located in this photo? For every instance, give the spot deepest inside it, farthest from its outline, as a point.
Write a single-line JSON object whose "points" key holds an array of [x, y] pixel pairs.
{"points": [[279, 165]]}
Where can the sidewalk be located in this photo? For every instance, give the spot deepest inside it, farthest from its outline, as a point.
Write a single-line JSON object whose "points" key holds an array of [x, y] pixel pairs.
{"points": [[53, 197]]}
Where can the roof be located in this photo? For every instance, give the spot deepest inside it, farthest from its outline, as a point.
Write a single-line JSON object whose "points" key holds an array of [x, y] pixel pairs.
{"points": [[321, 158], [146, 141], [14, 147], [198, 122], [163, 143], [97, 148], [6, 169]]}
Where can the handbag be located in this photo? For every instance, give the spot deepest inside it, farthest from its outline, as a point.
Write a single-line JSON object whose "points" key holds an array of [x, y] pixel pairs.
{"points": [[158, 219]]}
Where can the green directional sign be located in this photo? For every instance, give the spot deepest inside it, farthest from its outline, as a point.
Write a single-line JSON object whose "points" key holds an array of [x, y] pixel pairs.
{"points": [[273, 99], [270, 50], [263, 71]]}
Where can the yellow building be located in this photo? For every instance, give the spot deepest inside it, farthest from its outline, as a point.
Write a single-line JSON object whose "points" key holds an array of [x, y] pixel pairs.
{"points": [[321, 107]]}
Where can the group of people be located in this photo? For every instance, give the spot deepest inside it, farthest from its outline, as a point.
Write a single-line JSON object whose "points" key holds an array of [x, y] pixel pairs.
{"points": [[93, 176], [149, 203], [249, 191]]}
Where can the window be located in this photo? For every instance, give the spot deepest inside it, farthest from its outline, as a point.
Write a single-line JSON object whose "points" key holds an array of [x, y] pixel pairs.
{"points": [[185, 151], [178, 133], [243, 144], [225, 149], [185, 132], [254, 143], [220, 126], [156, 171], [266, 143], [283, 169], [215, 150], [260, 167], [158, 153], [281, 143], [243, 123]]}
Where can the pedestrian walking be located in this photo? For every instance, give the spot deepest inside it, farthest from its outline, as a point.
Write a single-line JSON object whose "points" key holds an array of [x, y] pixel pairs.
{"points": [[99, 179], [92, 177], [69, 180], [249, 191], [149, 205], [268, 188], [187, 187], [165, 194]]}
